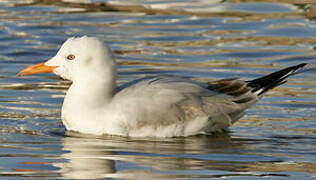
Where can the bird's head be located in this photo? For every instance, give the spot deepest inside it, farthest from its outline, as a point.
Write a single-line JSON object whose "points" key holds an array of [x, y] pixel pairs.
{"points": [[77, 58]]}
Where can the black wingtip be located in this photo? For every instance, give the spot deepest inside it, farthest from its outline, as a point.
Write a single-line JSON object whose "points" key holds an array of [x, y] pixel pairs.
{"points": [[263, 84]]}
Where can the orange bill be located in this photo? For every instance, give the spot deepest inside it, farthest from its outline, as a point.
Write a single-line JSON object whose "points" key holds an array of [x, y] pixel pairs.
{"points": [[37, 68]]}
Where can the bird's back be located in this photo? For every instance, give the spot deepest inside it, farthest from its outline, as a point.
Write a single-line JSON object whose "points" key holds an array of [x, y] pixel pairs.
{"points": [[175, 106]]}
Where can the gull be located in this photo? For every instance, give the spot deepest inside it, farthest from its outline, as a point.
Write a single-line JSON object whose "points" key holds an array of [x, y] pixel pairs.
{"points": [[156, 106]]}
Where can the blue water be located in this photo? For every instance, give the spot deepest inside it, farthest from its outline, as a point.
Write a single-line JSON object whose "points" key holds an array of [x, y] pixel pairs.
{"points": [[276, 139]]}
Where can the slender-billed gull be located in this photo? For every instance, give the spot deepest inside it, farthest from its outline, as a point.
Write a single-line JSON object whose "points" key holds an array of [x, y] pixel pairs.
{"points": [[159, 106]]}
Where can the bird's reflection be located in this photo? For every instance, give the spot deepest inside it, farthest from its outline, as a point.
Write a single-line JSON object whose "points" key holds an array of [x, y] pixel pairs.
{"points": [[201, 156], [85, 159], [94, 158]]}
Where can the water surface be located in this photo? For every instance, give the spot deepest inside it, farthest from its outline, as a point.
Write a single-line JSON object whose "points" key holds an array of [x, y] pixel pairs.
{"points": [[276, 139]]}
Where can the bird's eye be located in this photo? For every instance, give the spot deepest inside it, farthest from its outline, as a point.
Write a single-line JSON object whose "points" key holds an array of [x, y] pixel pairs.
{"points": [[71, 57]]}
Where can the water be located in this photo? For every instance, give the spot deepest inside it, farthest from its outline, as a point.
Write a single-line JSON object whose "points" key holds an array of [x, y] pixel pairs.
{"points": [[277, 138]]}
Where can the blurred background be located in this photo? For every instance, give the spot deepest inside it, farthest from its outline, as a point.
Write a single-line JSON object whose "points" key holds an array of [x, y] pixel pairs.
{"points": [[202, 39]]}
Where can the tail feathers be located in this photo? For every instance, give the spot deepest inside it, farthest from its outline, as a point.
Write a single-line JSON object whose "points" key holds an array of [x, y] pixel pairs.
{"points": [[261, 85]]}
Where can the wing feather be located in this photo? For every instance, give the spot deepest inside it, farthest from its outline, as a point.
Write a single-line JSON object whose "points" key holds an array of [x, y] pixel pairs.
{"points": [[179, 100]]}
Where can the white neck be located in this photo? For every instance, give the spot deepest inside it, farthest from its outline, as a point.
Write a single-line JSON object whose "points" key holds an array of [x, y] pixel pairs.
{"points": [[93, 90], [86, 99]]}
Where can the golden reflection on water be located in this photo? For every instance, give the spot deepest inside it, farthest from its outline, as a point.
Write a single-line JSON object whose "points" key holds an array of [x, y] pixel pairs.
{"points": [[285, 167], [137, 8], [261, 40]]}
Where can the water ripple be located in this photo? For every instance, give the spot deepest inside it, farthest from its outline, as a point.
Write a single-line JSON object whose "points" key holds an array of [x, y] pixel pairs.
{"points": [[203, 40]]}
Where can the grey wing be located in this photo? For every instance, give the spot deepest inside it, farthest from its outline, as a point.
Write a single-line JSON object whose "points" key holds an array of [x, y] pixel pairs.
{"points": [[182, 100], [239, 96]]}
